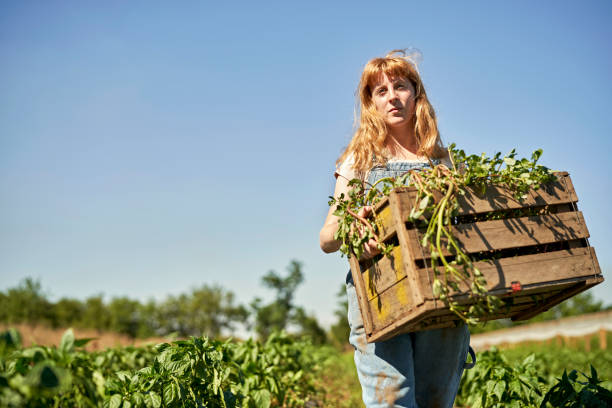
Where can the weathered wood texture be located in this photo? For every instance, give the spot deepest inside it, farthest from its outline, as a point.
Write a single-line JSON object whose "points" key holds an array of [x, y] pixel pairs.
{"points": [[547, 256]]}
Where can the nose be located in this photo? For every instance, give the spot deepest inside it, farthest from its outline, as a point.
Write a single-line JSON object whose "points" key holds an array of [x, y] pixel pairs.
{"points": [[392, 94]]}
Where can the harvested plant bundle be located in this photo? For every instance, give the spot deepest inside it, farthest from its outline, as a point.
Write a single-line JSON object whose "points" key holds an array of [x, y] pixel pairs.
{"points": [[435, 211]]}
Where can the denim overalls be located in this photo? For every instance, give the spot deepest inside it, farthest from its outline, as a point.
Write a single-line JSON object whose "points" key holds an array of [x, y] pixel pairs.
{"points": [[420, 369]]}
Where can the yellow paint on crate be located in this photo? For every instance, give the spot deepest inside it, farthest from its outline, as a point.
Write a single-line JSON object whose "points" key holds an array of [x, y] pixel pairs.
{"points": [[381, 308], [401, 293], [398, 266], [369, 280], [371, 272], [398, 290], [384, 220]]}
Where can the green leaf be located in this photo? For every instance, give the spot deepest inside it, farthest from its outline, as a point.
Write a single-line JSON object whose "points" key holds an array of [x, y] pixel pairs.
{"points": [[437, 287], [297, 375], [152, 400], [529, 359], [48, 377], [67, 343], [11, 338], [83, 341], [499, 389], [515, 404], [115, 401], [170, 394], [138, 399], [424, 203], [515, 387], [262, 398], [415, 214], [489, 386], [593, 379]]}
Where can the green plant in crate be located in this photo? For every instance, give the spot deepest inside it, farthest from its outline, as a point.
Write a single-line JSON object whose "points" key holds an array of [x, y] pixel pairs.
{"points": [[434, 212]]}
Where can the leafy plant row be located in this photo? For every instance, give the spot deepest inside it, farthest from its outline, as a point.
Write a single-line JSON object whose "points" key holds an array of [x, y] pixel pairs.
{"points": [[198, 372], [506, 379], [282, 372]]}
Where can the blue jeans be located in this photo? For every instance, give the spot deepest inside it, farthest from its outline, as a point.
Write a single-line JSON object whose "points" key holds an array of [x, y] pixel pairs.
{"points": [[411, 370], [420, 369]]}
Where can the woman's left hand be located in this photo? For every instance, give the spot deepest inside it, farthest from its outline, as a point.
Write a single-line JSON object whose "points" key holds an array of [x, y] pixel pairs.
{"points": [[370, 249]]}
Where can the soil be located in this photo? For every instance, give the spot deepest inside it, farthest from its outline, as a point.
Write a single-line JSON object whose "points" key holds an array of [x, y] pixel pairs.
{"points": [[46, 336]]}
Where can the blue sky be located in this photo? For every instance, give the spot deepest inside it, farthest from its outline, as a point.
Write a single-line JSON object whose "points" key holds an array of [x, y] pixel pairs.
{"points": [[149, 147]]}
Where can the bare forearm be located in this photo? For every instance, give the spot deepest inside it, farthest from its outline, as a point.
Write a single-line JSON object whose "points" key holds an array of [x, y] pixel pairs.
{"points": [[326, 238]]}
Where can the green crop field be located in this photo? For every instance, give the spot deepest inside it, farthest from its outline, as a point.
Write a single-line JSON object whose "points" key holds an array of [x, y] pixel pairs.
{"points": [[282, 372]]}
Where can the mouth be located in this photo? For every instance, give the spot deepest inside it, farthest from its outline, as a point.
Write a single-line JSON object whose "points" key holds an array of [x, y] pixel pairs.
{"points": [[393, 110]]}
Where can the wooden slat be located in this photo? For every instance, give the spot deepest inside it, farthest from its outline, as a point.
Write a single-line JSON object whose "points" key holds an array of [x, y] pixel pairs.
{"points": [[530, 269], [416, 289], [496, 198], [381, 275], [511, 233], [569, 187], [560, 297], [394, 322], [361, 296], [595, 261], [384, 221], [394, 303], [538, 274], [432, 318]]}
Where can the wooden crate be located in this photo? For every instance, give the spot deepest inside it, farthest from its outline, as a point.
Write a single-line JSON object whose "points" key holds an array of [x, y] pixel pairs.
{"points": [[532, 262]]}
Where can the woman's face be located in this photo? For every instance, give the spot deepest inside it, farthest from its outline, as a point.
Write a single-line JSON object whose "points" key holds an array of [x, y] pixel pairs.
{"points": [[394, 99]]}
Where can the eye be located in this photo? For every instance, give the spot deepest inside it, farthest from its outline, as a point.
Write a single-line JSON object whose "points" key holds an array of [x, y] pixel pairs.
{"points": [[380, 91]]}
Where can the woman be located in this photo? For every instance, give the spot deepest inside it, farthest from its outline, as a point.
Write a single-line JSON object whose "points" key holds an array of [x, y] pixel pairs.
{"points": [[397, 132]]}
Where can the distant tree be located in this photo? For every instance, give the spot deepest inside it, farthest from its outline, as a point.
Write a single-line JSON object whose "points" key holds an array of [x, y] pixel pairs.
{"points": [[4, 312], [95, 314], [339, 332], [308, 326], [277, 315], [124, 316], [281, 312], [25, 303], [206, 310], [577, 305], [67, 312], [149, 319]]}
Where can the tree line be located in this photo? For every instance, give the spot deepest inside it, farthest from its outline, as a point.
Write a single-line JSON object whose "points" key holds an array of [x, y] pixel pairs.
{"points": [[209, 310], [213, 311]]}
